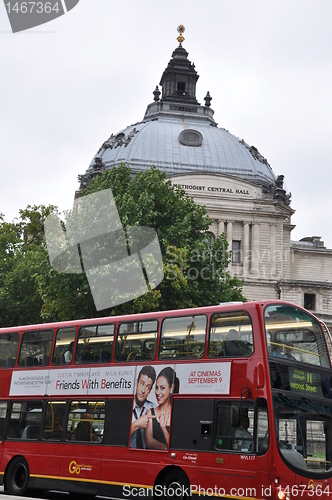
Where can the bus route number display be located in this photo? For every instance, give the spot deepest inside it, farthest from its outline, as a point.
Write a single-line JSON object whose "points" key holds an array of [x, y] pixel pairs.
{"points": [[305, 382]]}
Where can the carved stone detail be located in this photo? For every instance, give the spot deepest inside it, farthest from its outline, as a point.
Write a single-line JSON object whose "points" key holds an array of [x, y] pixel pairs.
{"points": [[130, 136], [279, 191], [98, 169], [119, 140], [255, 153]]}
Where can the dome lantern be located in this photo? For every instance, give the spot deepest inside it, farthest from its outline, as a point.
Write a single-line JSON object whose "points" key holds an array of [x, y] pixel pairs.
{"points": [[180, 77]]}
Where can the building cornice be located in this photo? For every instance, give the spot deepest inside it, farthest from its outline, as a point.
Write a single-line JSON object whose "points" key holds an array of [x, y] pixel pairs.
{"points": [[306, 283]]}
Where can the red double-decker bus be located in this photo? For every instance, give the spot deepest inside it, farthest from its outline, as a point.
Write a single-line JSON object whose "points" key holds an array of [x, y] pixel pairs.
{"points": [[231, 401]]}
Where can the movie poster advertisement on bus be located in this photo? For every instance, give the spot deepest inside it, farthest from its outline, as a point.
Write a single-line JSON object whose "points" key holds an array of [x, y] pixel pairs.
{"points": [[155, 386], [151, 414], [190, 378]]}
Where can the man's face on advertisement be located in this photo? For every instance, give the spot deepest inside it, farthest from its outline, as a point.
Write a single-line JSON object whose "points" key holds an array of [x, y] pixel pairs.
{"points": [[143, 388]]}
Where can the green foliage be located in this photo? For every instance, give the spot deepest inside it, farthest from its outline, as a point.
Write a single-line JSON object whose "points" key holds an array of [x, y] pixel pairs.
{"points": [[64, 296], [20, 301], [22, 252], [150, 200]]}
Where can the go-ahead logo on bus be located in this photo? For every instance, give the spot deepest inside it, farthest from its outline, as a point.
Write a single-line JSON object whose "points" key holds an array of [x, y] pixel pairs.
{"points": [[25, 14], [75, 468], [120, 264]]}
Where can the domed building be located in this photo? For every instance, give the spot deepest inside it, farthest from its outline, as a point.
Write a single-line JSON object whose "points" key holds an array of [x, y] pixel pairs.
{"points": [[244, 198]]}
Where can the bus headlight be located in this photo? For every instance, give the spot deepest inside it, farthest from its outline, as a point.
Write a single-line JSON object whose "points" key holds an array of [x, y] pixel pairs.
{"points": [[282, 495]]}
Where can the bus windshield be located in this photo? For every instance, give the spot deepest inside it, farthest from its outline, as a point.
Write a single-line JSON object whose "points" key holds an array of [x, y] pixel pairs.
{"points": [[304, 433], [294, 335]]}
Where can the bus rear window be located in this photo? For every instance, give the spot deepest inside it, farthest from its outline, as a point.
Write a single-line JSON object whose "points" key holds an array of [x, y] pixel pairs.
{"points": [[231, 335], [36, 348], [294, 335], [3, 414], [25, 420], [8, 349]]}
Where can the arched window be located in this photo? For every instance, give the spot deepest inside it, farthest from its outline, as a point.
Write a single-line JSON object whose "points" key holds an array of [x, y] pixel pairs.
{"points": [[209, 238]]}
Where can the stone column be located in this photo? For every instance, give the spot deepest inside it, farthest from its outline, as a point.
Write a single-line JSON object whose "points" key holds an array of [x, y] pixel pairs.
{"points": [[229, 234], [221, 227], [273, 247], [255, 251], [246, 254], [229, 239], [300, 298], [319, 305]]}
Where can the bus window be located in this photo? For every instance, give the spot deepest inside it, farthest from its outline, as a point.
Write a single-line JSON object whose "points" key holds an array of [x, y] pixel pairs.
{"points": [[183, 337], [235, 424], [3, 415], [54, 420], [94, 344], [231, 335], [294, 335], [316, 451], [64, 346], [86, 421], [136, 341], [25, 420], [8, 349], [36, 348]]}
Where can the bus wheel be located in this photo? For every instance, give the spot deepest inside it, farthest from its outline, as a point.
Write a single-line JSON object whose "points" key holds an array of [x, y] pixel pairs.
{"points": [[174, 486], [17, 477]]}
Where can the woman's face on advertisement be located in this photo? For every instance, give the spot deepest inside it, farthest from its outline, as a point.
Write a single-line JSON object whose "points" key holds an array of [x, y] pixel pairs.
{"points": [[162, 390]]}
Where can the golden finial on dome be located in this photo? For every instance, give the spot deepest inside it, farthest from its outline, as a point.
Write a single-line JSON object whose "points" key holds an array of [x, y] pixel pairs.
{"points": [[181, 29]]}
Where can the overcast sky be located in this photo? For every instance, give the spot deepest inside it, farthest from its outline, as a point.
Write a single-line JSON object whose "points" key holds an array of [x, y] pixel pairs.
{"points": [[68, 84]]}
